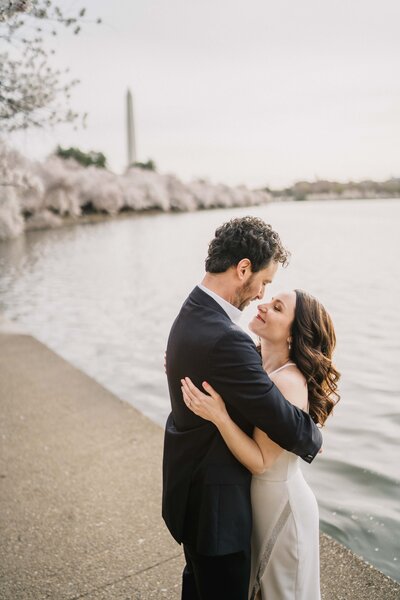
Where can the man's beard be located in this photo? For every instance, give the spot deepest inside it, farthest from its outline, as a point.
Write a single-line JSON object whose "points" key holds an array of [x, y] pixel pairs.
{"points": [[242, 298]]}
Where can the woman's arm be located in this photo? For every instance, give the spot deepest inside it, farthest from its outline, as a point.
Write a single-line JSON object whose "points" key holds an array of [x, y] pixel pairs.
{"points": [[257, 454], [212, 408]]}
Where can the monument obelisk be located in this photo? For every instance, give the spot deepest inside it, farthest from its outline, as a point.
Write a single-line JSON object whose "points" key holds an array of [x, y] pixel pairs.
{"points": [[130, 129]]}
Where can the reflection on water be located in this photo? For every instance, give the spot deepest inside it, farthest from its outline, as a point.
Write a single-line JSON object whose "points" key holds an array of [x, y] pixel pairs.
{"points": [[104, 296]]}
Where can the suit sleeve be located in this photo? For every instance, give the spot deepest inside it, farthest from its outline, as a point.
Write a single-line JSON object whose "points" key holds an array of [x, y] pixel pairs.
{"points": [[237, 374]]}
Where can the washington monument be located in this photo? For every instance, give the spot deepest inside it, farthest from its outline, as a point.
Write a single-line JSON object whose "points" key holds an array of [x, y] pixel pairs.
{"points": [[130, 129]]}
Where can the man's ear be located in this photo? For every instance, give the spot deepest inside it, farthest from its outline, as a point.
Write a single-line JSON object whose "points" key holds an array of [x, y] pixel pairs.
{"points": [[243, 269]]}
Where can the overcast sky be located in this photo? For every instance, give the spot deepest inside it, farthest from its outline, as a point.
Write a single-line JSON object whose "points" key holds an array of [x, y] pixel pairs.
{"points": [[255, 92]]}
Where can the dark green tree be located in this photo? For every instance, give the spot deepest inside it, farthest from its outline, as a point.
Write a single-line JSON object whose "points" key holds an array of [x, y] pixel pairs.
{"points": [[150, 165], [83, 158]]}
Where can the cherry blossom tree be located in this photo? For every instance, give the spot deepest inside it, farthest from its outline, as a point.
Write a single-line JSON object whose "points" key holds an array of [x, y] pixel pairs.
{"points": [[32, 92], [37, 194]]}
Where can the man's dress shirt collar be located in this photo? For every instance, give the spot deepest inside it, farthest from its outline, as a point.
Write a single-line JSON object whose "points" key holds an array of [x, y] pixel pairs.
{"points": [[233, 313]]}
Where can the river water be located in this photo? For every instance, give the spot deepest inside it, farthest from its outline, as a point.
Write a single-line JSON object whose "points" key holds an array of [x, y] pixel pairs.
{"points": [[104, 296]]}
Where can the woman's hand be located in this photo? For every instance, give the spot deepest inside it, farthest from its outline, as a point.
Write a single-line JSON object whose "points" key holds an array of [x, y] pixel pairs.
{"points": [[208, 406]]}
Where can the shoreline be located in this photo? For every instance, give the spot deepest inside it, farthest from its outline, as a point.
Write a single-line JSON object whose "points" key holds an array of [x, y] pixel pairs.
{"points": [[59, 221], [93, 218], [85, 469]]}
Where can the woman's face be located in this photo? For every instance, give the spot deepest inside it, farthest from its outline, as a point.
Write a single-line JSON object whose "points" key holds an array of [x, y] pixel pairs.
{"points": [[274, 319]]}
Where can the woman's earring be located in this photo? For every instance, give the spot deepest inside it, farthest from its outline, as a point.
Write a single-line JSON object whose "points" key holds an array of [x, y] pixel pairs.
{"points": [[290, 345]]}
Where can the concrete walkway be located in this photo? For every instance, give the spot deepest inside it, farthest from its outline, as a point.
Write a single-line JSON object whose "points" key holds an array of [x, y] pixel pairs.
{"points": [[80, 486]]}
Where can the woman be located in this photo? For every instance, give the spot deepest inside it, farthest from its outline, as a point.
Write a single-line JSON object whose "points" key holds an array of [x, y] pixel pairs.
{"points": [[297, 340]]}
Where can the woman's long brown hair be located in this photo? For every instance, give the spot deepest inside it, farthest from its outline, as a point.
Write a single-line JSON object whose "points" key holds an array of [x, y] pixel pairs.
{"points": [[312, 346]]}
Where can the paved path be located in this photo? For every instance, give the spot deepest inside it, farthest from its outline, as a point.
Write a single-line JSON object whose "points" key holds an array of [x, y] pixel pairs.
{"points": [[80, 485]]}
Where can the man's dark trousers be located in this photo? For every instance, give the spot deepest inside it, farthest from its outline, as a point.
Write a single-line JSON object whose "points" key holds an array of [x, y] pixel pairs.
{"points": [[215, 577]]}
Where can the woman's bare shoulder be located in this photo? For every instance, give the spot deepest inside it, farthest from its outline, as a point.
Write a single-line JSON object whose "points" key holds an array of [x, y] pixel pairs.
{"points": [[292, 383]]}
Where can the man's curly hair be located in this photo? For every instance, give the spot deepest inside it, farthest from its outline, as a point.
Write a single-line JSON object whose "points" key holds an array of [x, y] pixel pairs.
{"points": [[246, 237]]}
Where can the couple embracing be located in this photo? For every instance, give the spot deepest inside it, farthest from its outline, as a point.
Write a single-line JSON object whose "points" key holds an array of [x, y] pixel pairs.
{"points": [[242, 415]]}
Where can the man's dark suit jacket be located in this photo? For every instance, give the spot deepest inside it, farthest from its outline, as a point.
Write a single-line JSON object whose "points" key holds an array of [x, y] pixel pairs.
{"points": [[206, 491]]}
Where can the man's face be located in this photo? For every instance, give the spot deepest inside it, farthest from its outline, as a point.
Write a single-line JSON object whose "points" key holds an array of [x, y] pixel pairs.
{"points": [[254, 287]]}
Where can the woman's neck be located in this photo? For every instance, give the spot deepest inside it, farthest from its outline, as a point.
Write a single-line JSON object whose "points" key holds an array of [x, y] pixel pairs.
{"points": [[273, 355]]}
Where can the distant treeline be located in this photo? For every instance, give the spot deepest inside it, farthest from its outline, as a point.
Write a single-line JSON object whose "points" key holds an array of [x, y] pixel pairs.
{"points": [[71, 185], [325, 190]]}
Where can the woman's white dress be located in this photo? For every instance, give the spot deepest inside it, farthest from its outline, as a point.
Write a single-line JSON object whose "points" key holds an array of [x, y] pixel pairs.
{"points": [[285, 538]]}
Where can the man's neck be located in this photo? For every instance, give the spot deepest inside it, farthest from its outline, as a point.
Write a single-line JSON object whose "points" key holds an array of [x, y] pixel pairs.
{"points": [[220, 286]]}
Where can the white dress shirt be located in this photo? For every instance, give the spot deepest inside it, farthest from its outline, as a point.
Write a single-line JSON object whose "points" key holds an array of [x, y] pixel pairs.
{"points": [[233, 313]]}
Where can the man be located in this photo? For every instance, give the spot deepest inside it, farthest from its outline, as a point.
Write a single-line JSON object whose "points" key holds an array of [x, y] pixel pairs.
{"points": [[206, 491]]}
